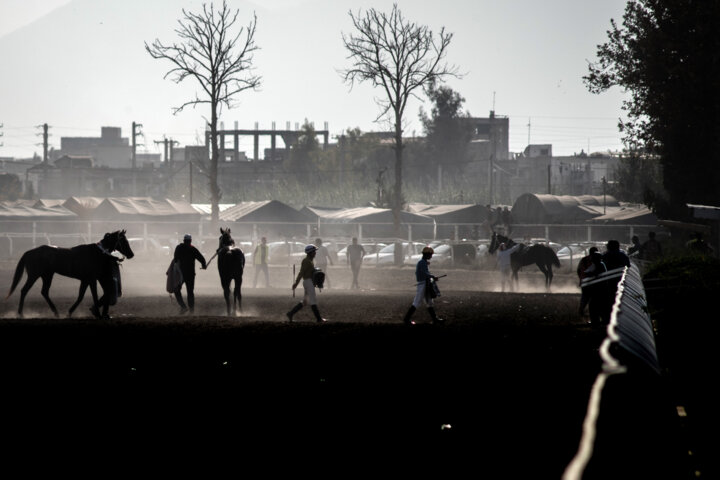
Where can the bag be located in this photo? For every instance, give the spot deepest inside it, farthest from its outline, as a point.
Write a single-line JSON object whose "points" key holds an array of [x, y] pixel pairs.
{"points": [[318, 278], [431, 288], [174, 277]]}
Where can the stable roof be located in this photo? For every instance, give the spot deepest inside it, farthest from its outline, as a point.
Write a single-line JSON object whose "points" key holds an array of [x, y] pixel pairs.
{"points": [[462, 213], [262, 211], [145, 208], [628, 214], [23, 211], [363, 215], [543, 208]]}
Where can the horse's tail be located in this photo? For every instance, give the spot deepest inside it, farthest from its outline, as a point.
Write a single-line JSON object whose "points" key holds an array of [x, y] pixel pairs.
{"points": [[554, 257], [18, 274]]}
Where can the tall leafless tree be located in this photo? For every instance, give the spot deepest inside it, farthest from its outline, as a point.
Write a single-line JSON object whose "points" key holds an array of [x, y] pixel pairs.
{"points": [[400, 58], [222, 64]]}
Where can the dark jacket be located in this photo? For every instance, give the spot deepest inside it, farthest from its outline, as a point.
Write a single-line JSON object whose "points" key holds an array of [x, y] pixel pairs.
{"points": [[185, 256], [615, 259]]}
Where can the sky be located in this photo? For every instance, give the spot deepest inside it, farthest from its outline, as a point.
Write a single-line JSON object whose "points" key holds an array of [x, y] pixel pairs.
{"points": [[79, 65]]}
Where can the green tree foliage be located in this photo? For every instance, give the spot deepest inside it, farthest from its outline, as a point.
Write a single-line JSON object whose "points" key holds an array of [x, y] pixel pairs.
{"points": [[447, 131], [639, 179], [304, 155], [10, 186], [666, 55]]}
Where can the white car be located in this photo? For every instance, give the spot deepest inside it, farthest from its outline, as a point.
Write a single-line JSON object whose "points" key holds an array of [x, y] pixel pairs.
{"points": [[370, 249], [386, 256], [570, 255], [442, 256]]}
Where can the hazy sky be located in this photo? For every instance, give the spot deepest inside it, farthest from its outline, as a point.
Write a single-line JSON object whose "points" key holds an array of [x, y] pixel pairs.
{"points": [[78, 65]]}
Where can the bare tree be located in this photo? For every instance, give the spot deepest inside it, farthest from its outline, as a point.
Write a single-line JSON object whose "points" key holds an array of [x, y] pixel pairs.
{"points": [[401, 58], [220, 62]]}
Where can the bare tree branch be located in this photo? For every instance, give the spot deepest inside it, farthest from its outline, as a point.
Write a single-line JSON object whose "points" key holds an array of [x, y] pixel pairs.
{"points": [[400, 58], [219, 59]]}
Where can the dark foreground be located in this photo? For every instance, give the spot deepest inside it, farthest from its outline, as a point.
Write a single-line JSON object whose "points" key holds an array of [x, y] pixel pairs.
{"points": [[503, 386]]}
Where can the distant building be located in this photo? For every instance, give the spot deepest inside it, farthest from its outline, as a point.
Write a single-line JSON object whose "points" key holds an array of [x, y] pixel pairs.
{"points": [[537, 171], [74, 161]]}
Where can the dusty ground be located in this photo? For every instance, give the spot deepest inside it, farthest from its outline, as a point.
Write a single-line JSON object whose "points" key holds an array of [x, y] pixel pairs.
{"points": [[503, 386]]}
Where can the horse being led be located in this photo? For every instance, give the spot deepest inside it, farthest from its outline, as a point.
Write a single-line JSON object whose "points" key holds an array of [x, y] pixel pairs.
{"points": [[541, 255], [231, 263], [89, 263]]}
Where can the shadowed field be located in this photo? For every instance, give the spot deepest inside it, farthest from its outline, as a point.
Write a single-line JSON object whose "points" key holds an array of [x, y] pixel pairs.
{"points": [[506, 378]]}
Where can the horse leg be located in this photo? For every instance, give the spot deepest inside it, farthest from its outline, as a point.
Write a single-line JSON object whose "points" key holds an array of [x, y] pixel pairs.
{"points": [[105, 299], [226, 294], [544, 270], [45, 292], [515, 282], [93, 291], [81, 294], [549, 276], [238, 295], [24, 290]]}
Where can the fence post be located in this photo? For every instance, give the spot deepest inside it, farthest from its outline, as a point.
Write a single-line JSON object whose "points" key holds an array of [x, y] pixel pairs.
{"points": [[457, 232], [409, 233], [589, 233], [360, 235], [89, 232], [145, 237], [547, 233], [34, 232]]}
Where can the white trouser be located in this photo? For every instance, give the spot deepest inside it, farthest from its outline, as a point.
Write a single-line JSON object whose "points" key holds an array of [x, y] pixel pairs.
{"points": [[309, 298], [420, 296]]}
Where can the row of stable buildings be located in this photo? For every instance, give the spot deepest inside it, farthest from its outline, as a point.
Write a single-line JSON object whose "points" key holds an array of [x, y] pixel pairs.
{"points": [[77, 220]]}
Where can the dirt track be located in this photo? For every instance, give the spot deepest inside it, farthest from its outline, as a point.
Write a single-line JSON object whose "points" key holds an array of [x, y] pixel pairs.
{"points": [[507, 377]]}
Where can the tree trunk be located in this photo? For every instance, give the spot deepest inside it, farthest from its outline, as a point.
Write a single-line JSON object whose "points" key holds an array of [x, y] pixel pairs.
{"points": [[214, 188], [397, 194]]}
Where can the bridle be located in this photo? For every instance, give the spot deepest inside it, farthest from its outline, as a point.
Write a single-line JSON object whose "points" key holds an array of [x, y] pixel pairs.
{"points": [[115, 247]]}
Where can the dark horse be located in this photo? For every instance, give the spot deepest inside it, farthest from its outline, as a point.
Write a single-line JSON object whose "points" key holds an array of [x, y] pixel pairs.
{"points": [[541, 255], [88, 263], [231, 263]]}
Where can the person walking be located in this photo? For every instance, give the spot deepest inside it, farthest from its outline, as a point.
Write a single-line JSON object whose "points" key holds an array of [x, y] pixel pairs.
{"points": [[355, 254], [614, 257], [651, 249], [583, 265], [185, 256], [307, 269], [635, 247], [422, 293], [600, 294], [322, 259], [260, 260], [503, 261]]}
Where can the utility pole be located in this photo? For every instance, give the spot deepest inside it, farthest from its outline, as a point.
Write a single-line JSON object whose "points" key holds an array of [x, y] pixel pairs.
{"points": [[45, 135], [135, 133], [190, 166], [168, 144], [528, 125], [491, 168]]}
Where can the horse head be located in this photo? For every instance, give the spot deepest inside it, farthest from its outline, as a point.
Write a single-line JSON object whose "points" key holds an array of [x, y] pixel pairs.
{"points": [[225, 239], [117, 241]]}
